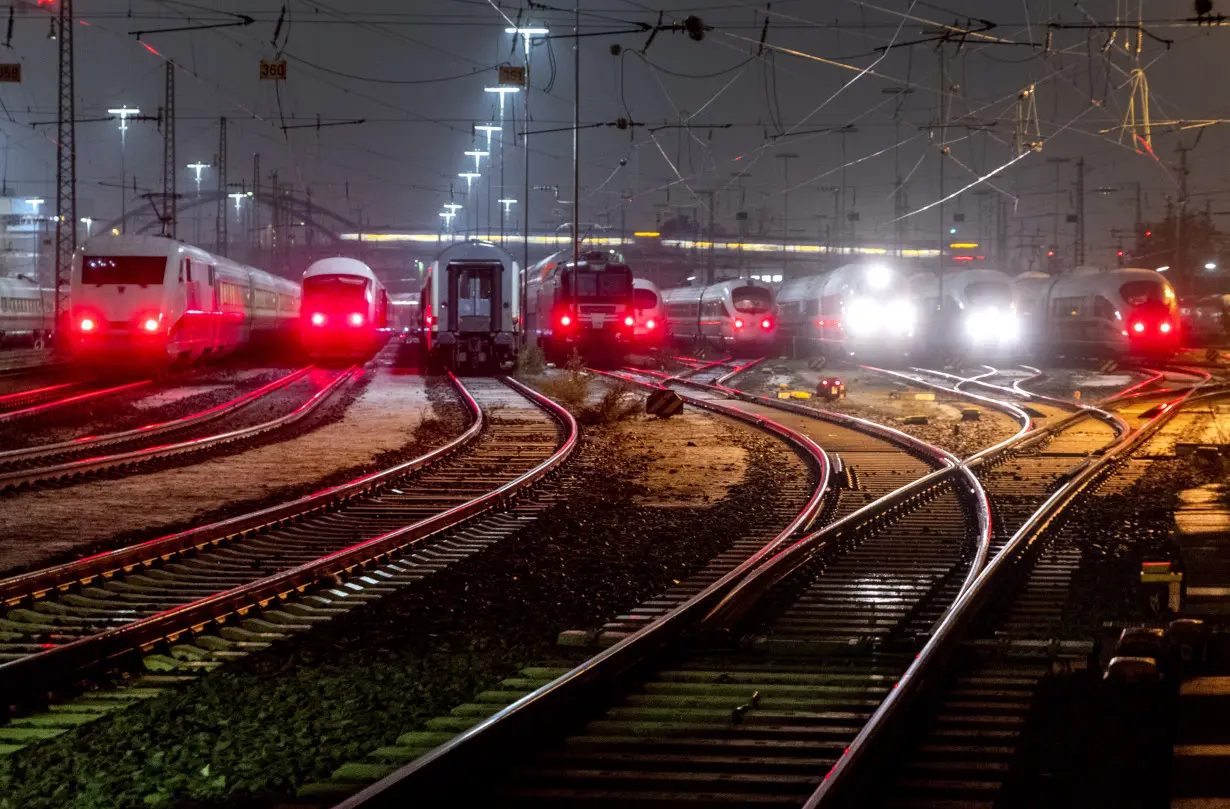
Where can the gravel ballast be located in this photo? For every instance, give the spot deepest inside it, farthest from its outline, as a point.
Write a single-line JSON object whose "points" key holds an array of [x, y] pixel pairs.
{"points": [[249, 734]]}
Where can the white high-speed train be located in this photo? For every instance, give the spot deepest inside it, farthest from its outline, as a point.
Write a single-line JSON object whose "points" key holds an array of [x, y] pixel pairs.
{"points": [[858, 308], [1102, 312], [150, 299], [345, 309], [739, 316], [978, 311]]}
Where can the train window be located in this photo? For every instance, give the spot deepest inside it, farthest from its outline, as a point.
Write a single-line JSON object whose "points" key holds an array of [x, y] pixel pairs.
{"points": [[752, 299], [612, 282], [1068, 307], [1136, 293], [474, 287], [142, 270], [644, 299], [989, 293], [1103, 308]]}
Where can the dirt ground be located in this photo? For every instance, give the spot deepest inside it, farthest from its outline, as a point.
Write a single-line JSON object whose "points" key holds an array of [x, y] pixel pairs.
{"points": [[874, 397], [689, 459], [40, 525]]}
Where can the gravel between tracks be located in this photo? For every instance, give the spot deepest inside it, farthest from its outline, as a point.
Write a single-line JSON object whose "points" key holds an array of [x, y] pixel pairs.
{"points": [[871, 396], [386, 417], [248, 734]]}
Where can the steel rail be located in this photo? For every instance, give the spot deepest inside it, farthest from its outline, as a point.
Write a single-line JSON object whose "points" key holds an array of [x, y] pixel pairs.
{"points": [[843, 779], [160, 428], [555, 698], [71, 660], [33, 585], [23, 477], [35, 410]]}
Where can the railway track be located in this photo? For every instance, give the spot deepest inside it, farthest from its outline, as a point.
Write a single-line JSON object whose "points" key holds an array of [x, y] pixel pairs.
{"points": [[751, 688], [76, 459], [40, 401], [233, 586]]}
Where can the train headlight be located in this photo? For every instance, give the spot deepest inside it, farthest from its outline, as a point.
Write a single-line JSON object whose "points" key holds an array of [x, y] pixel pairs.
{"points": [[318, 319], [982, 324], [862, 317], [900, 317], [1010, 328], [356, 319]]}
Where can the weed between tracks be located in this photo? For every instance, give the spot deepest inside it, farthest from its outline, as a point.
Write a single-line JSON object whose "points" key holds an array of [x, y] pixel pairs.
{"points": [[252, 732]]}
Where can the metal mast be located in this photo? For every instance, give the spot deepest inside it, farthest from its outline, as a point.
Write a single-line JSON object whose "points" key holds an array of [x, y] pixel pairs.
{"points": [[168, 156], [220, 223], [66, 168]]}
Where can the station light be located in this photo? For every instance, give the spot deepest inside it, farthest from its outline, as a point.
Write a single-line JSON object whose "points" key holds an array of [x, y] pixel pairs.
{"points": [[1210, 265]]}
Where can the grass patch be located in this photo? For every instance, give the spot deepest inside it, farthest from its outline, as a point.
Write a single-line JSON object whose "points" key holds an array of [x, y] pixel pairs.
{"points": [[618, 403]]}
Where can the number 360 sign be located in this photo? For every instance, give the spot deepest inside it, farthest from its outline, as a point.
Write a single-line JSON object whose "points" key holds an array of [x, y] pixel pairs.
{"points": [[273, 71]]}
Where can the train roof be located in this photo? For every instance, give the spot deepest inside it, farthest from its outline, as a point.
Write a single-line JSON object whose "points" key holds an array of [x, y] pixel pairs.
{"points": [[340, 265], [475, 250], [645, 283], [956, 281]]}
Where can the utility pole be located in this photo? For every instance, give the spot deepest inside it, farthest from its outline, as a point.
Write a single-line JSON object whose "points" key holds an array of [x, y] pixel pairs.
{"points": [[1080, 212], [66, 170], [785, 157], [221, 221], [576, 142], [1179, 247], [254, 215], [1057, 162], [943, 160], [168, 156], [711, 258], [842, 219], [276, 220]]}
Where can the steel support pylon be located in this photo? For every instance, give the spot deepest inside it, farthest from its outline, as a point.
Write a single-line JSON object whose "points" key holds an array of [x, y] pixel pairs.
{"points": [[66, 170]]}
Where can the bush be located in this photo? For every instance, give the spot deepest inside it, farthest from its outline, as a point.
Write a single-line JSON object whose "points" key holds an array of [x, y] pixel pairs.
{"points": [[618, 403], [572, 388], [530, 361]]}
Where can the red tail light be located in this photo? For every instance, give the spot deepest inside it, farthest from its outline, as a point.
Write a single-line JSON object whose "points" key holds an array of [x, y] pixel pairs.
{"points": [[1165, 327], [649, 324], [738, 322], [318, 319], [1138, 327], [87, 324], [150, 324], [565, 320], [766, 324], [356, 319], [628, 321], [430, 320]]}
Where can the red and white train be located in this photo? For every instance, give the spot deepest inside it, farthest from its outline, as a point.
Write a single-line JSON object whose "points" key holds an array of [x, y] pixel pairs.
{"points": [[650, 329], [153, 300], [345, 309]]}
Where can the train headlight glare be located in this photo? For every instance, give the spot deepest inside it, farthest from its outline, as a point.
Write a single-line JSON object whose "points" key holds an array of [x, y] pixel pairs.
{"points": [[862, 317], [900, 316], [981, 324], [878, 276]]}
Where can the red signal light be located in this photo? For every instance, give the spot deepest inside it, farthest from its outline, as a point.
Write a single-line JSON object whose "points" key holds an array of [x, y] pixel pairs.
{"points": [[1050, 253], [1120, 254], [1148, 233]]}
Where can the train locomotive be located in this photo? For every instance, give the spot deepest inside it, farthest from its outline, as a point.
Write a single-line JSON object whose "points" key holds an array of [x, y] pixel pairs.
{"points": [[977, 315], [650, 329], [854, 309], [1123, 312], [26, 312], [586, 306], [738, 316], [469, 308], [140, 300], [345, 309]]}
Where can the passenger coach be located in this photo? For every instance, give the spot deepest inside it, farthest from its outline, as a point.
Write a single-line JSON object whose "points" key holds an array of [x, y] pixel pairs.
{"points": [[150, 299], [26, 312], [345, 309], [469, 308]]}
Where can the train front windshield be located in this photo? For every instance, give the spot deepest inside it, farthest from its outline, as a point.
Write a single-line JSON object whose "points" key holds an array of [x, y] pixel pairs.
{"points": [[604, 285], [138, 270], [335, 293], [1138, 293], [989, 294], [752, 300], [643, 299]]}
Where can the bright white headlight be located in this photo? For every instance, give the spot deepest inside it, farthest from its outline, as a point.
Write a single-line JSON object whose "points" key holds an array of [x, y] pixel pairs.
{"points": [[981, 324], [900, 316], [862, 317]]}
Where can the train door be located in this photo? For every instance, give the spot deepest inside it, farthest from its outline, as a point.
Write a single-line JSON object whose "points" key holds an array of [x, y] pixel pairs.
{"points": [[475, 291]]}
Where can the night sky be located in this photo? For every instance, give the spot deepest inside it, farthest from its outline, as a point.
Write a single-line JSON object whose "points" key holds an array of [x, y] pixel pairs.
{"points": [[415, 72]]}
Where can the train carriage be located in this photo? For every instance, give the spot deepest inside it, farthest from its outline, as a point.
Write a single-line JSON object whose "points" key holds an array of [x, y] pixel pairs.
{"points": [[737, 316], [345, 309], [587, 306], [1091, 311], [857, 308], [153, 300], [469, 307], [26, 312]]}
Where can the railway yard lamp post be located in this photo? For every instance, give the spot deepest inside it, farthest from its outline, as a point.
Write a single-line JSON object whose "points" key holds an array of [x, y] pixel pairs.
{"points": [[125, 112], [489, 130], [470, 177], [197, 168]]}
